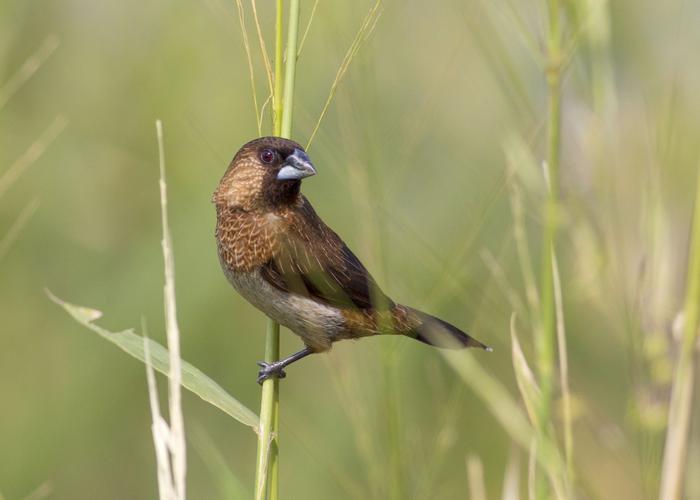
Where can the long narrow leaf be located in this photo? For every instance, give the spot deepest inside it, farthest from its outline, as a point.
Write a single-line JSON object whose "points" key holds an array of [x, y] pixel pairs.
{"points": [[192, 378]]}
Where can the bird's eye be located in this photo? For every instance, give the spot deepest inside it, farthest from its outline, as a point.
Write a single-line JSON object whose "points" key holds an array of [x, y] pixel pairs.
{"points": [[267, 156]]}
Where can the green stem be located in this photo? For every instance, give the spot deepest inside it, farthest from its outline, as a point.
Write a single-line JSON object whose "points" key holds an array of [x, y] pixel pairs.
{"points": [[290, 68], [681, 406], [277, 92], [267, 467], [545, 344], [545, 341], [273, 328]]}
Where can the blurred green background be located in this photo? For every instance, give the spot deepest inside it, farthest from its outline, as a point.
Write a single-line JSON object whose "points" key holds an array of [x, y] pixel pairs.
{"points": [[413, 160]]}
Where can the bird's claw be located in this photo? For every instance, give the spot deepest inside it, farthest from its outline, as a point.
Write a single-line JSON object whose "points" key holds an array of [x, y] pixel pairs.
{"points": [[268, 370]]}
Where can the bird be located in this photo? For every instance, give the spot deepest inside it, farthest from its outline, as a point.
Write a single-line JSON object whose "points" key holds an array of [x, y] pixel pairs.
{"points": [[282, 258]]}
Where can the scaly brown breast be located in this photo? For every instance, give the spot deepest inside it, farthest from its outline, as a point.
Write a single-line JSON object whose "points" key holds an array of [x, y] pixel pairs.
{"points": [[246, 240]]}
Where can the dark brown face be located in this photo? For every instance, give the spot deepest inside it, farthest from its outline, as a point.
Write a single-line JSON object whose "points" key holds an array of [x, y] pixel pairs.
{"points": [[265, 172]]}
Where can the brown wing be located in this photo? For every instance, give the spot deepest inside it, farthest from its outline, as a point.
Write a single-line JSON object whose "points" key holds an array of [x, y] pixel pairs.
{"points": [[312, 261]]}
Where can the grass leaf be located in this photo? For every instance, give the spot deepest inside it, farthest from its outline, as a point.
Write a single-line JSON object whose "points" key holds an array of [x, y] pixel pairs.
{"points": [[192, 378]]}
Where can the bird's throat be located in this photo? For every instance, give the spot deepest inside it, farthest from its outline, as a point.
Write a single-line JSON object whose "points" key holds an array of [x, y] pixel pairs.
{"points": [[282, 193]]}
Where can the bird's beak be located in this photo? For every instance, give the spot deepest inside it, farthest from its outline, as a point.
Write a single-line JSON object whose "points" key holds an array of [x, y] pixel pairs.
{"points": [[296, 167]]}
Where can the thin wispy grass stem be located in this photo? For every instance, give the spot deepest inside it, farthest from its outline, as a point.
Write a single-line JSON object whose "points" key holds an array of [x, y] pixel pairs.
{"points": [[263, 47], [308, 27], [249, 60], [363, 33]]}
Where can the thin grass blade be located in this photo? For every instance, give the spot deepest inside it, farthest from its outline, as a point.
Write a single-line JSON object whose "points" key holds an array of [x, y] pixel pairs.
{"points": [[363, 33], [192, 378]]}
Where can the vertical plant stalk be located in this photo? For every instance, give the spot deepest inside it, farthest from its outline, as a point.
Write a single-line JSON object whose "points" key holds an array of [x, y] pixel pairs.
{"points": [[290, 68], [273, 328], [176, 434], [277, 90], [266, 477], [268, 451], [546, 338], [545, 341], [681, 406], [159, 430]]}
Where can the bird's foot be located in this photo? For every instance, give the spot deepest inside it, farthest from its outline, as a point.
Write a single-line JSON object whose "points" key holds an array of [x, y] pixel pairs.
{"points": [[268, 370]]}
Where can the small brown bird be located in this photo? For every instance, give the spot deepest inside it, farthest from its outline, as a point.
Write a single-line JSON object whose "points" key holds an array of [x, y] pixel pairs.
{"points": [[285, 261]]}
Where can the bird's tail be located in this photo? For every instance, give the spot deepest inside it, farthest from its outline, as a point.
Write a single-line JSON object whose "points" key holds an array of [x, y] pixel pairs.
{"points": [[436, 332]]}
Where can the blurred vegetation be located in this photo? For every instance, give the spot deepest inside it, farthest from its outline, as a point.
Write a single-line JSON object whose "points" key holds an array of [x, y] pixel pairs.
{"points": [[435, 137]]}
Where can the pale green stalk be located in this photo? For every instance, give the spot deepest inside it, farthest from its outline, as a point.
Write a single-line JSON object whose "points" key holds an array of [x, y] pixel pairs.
{"points": [[546, 338], [290, 68], [681, 406], [266, 477], [545, 344], [277, 91], [266, 471], [176, 432], [272, 327]]}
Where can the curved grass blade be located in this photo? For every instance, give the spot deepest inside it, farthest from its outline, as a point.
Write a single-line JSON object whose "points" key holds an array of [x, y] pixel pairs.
{"points": [[192, 378]]}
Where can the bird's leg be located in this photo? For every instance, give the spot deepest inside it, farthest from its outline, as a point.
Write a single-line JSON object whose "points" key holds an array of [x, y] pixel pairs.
{"points": [[276, 369]]}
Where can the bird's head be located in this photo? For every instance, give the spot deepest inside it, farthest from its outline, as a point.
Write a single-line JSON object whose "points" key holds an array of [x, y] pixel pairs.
{"points": [[265, 173]]}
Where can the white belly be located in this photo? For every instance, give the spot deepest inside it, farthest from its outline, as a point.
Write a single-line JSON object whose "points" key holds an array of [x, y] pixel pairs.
{"points": [[317, 324]]}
